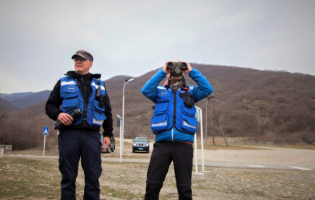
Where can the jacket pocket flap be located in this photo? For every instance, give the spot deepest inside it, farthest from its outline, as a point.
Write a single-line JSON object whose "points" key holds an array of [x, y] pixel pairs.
{"points": [[69, 103], [160, 108], [190, 121], [99, 116], [97, 106], [72, 94], [189, 111], [158, 118]]}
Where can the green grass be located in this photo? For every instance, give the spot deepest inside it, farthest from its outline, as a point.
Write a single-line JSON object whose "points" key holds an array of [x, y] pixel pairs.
{"points": [[123, 194], [22, 178]]}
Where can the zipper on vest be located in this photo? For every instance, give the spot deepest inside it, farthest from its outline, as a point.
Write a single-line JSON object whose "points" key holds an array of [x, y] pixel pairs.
{"points": [[174, 113], [84, 100], [173, 134]]}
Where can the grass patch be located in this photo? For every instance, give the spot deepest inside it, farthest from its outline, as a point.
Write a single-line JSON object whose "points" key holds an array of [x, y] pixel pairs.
{"points": [[22, 178], [40, 179], [121, 193]]}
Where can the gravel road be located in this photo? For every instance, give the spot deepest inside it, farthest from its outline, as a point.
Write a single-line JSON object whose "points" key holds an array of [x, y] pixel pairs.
{"points": [[265, 155]]}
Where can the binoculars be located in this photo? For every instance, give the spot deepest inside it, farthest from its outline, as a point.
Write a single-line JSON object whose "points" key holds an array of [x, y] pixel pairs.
{"points": [[75, 114], [176, 68]]}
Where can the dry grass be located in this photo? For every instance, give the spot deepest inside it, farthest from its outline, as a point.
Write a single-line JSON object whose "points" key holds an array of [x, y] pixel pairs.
{"points": [[38, 179]]}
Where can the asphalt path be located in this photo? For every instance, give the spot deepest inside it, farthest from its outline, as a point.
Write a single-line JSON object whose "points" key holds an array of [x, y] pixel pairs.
{"points": [[208, 164]]}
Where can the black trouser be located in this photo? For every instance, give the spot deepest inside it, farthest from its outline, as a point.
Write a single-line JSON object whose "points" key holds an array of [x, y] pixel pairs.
{"points": [[163, 154], [74, 144]]}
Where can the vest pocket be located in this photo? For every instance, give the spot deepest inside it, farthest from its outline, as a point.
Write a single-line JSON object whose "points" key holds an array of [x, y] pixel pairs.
{"points": [[189, 111], [69, 104], [72, 94], [70, 91], [188, 120], [189, 123], [98, 114], [159, 118], [159, 122], [160, 108]]}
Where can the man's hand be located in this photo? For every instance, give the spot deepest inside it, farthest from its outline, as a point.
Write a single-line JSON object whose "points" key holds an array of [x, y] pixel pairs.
{"points": [[106, 141], [165, 68], [65, 118], [189, 68]]}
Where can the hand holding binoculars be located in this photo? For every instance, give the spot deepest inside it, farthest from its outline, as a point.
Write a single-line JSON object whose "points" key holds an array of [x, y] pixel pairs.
{"points": [[176, 68]]}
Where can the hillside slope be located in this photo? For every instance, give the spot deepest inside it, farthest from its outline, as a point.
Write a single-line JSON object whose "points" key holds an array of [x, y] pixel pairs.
{"points": [[6, 106], [248, 102], [266, 105]]}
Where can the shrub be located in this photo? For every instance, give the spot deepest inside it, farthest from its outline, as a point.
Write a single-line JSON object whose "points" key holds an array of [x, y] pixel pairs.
{"points": [[308, 137]]}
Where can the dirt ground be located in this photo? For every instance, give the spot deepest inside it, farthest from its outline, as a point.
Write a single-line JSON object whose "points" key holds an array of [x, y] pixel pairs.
{"points": [[40, 179]]}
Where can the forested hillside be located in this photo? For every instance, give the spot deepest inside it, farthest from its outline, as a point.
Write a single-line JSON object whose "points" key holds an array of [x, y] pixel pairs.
{"points": [[271, 106], [6, 106], [268, 105]]}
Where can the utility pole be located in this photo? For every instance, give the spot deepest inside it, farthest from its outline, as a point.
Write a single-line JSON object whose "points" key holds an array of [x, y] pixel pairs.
{"points": [[208, 109], [206, 122], [211, 124], [215, 118]]}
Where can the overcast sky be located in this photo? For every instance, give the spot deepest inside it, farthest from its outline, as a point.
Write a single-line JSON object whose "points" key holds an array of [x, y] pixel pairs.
{"points": [[38, 37]]}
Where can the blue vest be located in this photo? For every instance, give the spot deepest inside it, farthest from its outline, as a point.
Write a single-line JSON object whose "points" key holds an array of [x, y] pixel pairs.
{"points": [[72, 98], [164, 116]]}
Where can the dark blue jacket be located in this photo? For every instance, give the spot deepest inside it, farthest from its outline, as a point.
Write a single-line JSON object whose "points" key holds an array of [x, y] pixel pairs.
{"points": [[169, 122]]}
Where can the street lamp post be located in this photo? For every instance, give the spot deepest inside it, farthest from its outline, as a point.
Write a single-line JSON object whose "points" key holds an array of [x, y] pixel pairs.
{"points": [[127, 80]]}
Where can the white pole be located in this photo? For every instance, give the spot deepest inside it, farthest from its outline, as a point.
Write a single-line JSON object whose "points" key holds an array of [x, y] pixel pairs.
{"points": [[123, 123], [196, 160], [120, 151], [122, 134], [44, 145], [201, 137]]}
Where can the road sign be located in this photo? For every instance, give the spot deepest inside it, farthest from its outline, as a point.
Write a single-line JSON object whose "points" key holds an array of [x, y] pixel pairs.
{"points": [[45, 131]]}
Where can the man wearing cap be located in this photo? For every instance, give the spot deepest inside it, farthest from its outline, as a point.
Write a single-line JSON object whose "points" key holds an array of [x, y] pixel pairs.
{"points": [[82, 90]]}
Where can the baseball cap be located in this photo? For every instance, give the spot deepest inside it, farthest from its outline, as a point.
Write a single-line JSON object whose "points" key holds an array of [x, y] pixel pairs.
{"points": [[83, 54]]}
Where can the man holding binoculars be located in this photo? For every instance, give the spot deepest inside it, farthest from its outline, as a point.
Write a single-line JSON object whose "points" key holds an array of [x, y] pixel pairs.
{"points": [[85, 107], [174, 125]]}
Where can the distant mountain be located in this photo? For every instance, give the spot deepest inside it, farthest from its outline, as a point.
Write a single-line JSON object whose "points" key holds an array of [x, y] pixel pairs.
{"points": [[268, 105], [10, 97], [31, 99]]}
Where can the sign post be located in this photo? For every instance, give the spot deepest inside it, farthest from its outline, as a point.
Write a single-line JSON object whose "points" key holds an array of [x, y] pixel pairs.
{"points": [[199, 119], [45, 132]]}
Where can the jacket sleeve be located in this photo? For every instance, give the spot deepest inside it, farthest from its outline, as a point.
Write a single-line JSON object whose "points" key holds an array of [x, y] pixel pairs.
{"points": [[150, 88], [53, 103], [204, 88], [108, 123]]}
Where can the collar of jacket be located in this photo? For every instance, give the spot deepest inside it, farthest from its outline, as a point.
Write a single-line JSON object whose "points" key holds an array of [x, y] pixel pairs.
{"points": [[185, 88], [73, 74]]}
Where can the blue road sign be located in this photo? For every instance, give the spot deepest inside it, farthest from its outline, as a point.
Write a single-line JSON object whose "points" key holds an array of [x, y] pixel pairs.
{"points": [[46, 130]]}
